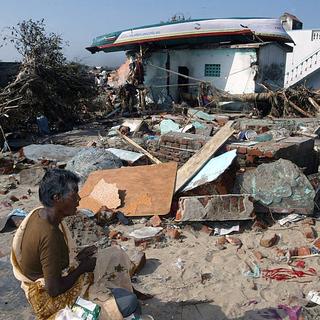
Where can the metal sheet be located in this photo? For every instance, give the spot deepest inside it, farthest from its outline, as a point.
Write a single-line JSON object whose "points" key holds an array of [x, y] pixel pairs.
{"points": [[212, 170], [126, 155]]}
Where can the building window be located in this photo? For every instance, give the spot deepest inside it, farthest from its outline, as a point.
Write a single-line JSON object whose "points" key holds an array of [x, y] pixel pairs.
{"points": [[212, 70], [315, 35]]}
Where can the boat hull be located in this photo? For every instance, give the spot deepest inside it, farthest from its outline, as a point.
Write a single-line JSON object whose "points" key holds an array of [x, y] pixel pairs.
{"points": [[210, 31]]}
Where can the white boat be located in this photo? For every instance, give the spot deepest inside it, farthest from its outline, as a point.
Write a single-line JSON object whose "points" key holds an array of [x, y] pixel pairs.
{"points": [[193, 32]]}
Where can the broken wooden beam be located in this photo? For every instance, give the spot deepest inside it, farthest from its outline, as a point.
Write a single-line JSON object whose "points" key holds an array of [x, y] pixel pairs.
{"points": [[305, 113], [314, 104], [134, 144], [195, 163]]}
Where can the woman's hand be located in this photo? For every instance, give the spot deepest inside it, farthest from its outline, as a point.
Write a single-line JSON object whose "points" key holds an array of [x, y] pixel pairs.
{"points": [[58, 285], [88, 264], [86, 253]]}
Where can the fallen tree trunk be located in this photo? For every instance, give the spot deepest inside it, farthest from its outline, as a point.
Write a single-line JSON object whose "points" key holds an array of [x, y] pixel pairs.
{"points": [[286, 102]]}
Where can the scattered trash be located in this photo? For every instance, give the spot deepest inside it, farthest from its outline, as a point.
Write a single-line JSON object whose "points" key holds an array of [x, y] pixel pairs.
{"points": [[14, 213], [254, 273], [225, 231], [123, 219], [294, 217], [313, 296], [281, 274], [292, 312], [179, 264]]}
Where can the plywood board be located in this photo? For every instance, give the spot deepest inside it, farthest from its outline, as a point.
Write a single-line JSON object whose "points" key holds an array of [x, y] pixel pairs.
{"points": [[143, 190], [195, 163], [107, 194]]}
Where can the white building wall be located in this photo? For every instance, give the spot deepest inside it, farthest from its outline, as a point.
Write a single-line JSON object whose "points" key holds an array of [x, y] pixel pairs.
{"points": [[236, 76], [305, 58], [272, 62]]}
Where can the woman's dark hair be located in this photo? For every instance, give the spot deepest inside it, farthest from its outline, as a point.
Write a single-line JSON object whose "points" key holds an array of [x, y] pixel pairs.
{"points": [[57, 182]]}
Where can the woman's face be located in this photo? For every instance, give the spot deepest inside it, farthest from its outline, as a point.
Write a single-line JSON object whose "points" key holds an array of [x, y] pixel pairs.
{"points": [[70, 203]]}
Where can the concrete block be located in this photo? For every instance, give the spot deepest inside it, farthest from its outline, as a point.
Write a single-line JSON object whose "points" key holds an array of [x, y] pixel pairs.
{"points": [[215, 208]]}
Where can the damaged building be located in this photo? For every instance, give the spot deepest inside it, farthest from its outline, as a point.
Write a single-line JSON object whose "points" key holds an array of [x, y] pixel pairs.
{"points": [[236, 55]]}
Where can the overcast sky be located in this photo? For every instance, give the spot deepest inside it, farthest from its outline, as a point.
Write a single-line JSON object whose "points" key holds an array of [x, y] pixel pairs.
{"points": [[79, 21]]}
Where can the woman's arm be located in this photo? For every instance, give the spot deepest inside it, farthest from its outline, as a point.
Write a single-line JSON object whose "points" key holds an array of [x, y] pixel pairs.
{"points": [[58, 285]]}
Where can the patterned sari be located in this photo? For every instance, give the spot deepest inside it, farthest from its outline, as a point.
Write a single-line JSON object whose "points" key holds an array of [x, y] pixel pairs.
{"points": [[112, 271]]}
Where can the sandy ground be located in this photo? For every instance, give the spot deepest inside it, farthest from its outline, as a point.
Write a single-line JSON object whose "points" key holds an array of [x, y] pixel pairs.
{"points": [[208, 283]]}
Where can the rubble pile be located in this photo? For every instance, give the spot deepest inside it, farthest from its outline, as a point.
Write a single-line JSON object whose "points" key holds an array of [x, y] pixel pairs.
{"points": [[192, 192]]}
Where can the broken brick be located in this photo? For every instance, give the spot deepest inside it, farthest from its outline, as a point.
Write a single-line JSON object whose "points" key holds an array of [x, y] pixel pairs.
{"points": [[173, 233], [304, 251], [242, 150], [152, 240], [6, 166], [114, 234], [309, 232], [3, 191], [14, 198], [268, 241], [206, 229], [233, 240], [316, 243], [254, 152], [250, 159], [259, 226], [221, 240], [280, 252], [308, 221], [259, 256], [269, 154], [155, 221]]}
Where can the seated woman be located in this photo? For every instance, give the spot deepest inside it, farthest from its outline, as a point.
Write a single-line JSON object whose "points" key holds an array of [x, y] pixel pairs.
{"points": [[52, 275]]}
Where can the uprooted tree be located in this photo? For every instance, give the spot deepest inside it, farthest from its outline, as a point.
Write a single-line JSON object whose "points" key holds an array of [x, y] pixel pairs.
{"points": [[46, 84]]}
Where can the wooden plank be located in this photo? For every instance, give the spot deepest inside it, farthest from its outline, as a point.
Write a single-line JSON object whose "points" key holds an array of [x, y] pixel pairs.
{"points": [[195, 163], [145, 152]]}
